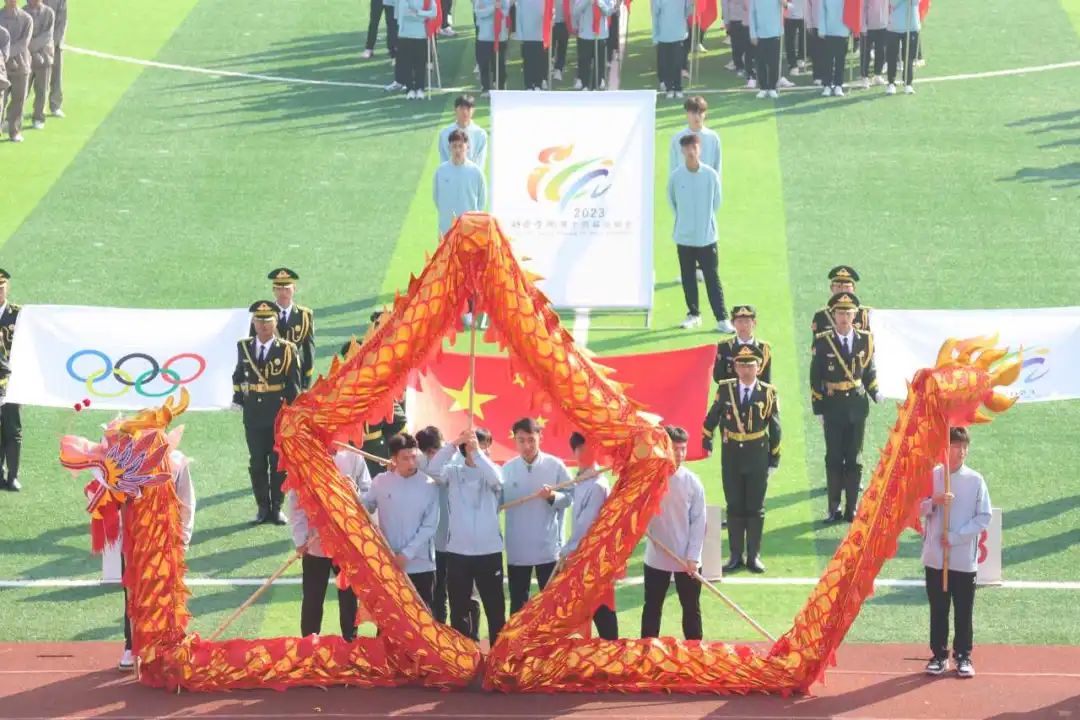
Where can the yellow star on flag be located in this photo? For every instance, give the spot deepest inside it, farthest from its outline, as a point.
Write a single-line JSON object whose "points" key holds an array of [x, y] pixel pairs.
{"points": [[541, 421], [461, 399], [518, 380]]}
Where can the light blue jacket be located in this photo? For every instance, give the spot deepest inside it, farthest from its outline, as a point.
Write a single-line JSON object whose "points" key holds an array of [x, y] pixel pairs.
{"points": [[589, 497], [583, 18], [680, 524], [766, 20], [711, 153], [477, 143], [530, 20], [796, 9], [669, 20], [484, 10], [408, 516], [904, 16], [534, 528], [410, 15], [695, 199], [457, 189], [830, 19], [969, 514], [473, 497]]}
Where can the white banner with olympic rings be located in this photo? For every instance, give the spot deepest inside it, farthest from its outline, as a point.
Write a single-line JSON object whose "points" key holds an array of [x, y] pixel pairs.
{"points": [[124, 358]]}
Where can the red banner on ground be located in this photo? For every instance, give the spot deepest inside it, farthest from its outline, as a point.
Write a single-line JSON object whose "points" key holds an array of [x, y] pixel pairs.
{"points": [[673, 385]]}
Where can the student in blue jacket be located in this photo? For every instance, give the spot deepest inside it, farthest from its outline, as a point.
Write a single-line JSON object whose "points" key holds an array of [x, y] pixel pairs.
{"points": [[669, 30], [486, 15], [530, 31], [591, 43], [411, 61], [834, 44], [766, 26], [904, 26]]}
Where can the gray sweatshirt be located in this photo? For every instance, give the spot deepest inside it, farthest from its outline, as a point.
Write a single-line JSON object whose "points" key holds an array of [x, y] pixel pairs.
{"points": [[969, 515], [534, 529]]}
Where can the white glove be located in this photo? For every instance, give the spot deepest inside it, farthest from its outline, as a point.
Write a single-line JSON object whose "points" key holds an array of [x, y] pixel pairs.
{"points": [[822, 419], [877, 396], [769, 472], [236, 406]]}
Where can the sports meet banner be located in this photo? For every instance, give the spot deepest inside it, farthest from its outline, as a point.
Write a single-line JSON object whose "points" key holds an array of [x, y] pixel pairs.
{"points": [[439, 396], [124, 359], [572, 185], [907, 340]]}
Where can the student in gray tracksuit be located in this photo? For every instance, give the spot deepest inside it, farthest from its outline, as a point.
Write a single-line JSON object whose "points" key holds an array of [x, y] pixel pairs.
{"points": [[20, 28]]}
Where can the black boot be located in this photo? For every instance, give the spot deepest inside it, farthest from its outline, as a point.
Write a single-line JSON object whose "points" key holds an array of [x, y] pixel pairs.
{"points": [[736, 527], [852, 478], [834, 481], [12, 452], [263, 515], [754, 528], [277, 498]]}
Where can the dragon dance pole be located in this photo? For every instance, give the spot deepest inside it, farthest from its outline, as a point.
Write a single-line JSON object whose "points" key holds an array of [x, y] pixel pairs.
{"points": [[472, 358], [948, 507], [254, 596], [715, 591]]}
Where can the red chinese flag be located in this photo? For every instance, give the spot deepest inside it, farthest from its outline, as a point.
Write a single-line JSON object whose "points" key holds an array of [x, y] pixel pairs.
{"points": [[924, 7], [432, 26], [549, 19], [679, 395], [705, 13], [853, 15], [597, 17], [568, 17]]}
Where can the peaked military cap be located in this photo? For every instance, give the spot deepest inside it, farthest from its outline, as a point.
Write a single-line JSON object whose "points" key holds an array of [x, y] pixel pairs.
{"points": [[743, 311], [844, 273], [844, 301], [283, 276], [263, 310], [748, 354]]}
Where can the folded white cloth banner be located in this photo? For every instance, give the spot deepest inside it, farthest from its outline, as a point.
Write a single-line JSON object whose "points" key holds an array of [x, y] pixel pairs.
{"points": [[122, 358], [908, 340]]}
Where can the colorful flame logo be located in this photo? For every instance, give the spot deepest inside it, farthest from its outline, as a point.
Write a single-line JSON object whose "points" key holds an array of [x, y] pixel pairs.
{"points": [[1035, 365], [564, 183]]}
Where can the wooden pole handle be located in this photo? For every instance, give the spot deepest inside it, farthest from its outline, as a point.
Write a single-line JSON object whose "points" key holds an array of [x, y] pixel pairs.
{"points": [[254, 596], [560, 486], [362, 453], [715, 591]]}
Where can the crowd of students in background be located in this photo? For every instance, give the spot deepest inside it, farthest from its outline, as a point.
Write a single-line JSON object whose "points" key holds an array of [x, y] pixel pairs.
{"points": [[31, 58]]}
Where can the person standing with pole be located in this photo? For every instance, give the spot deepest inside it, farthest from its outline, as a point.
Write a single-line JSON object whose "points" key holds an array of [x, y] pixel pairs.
{"points": [[562, 16], [491, 36], [530, 30], [591, 20], [904, 26], [411, 61], [834, 43], [955, 515]]}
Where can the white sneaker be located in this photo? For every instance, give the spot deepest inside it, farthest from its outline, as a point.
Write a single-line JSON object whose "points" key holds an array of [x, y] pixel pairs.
{"points": [[725, 327], [818, 83], [827, 92], [795, 71], [773, 94], [447, 32], [920, 63], [475, 69], [691, 322], [751, 83], [38, 125], [58, 113], [864, 83], [762, 94], [878, 80], [394, 87], [419, 94], [411, 95], [18, 138], [663, 87], [838, 91], [784, 82], [701, 48], [679, 95], [543, 85], [557, 75], [127, 662], [891, 89], [603, 84], [909, 90], [367, 54], [686, 73], [802, 65], [730, 66], [670, 94], [578, 84]]}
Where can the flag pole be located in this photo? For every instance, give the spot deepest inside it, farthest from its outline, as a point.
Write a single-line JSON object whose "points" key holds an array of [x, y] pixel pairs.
{"points": [[694, 24], [427, 65], [438, 70], [780, 50], [908, 60]]}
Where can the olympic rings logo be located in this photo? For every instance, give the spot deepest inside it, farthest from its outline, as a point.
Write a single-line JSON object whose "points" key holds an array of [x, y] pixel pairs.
{"points": [[127, 381]]}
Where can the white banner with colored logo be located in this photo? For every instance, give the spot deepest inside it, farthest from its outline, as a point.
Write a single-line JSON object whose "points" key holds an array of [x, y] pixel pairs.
{"points": [[124, 359], [908, 340], [573, 184]]}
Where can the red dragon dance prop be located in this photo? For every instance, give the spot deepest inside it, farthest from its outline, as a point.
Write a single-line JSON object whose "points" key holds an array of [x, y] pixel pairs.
{"points": [[538, 649]]}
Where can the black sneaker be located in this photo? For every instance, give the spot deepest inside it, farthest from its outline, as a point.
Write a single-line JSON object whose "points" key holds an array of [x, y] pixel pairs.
{"points": [[964, 668], [937, 666]]}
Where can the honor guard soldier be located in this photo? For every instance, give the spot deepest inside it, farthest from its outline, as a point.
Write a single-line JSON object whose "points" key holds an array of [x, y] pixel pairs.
{"points": [[744, 318], [295, 323], [748, 414], [267, 375], [842, 279], [10, 421], [842, 380]]}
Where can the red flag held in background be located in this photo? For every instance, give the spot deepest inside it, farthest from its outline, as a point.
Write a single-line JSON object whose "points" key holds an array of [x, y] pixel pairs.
{"points": [[549, 19], [499, 15], [705, 13], [433, 24], [597, 16], [853, 15], [568, 17], [680, 395], [924, 7]]}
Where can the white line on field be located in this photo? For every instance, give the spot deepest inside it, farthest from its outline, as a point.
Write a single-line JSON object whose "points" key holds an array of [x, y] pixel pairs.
{"points": [[374, 86], [627, 582]]}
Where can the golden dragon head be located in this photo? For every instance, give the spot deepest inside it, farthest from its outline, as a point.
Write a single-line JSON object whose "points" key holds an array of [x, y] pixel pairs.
{"points": [[966, 376]]}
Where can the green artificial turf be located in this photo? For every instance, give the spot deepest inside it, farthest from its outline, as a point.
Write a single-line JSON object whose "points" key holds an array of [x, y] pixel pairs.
{"points": [[171, 189]]}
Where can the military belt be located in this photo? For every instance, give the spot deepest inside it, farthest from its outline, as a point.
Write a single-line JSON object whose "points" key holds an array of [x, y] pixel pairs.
{"points": [[843, 386], [266, 388], [745, 437]]}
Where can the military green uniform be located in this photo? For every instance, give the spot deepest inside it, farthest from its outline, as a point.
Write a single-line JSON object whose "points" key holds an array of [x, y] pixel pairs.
{"points": [[724, 365], [299, 329], [749, 424], [10, 419], [262, 383], [823, 321], [377, 435], [842, 381]]}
